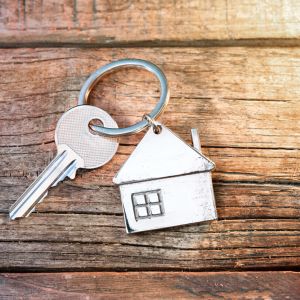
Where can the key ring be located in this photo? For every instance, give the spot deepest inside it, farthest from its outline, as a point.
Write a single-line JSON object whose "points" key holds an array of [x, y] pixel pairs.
{"points": [[139, 126]]}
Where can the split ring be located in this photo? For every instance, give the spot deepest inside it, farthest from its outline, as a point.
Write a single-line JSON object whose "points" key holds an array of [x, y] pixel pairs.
{"points": [[139, 63]]}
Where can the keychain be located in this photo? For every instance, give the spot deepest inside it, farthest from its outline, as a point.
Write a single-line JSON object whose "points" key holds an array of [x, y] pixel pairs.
{"points": [[165, 182]]}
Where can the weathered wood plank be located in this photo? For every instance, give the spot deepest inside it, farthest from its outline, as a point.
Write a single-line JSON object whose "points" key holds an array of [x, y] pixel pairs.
{"points": [[88, 256], [114, 22], [234, 200], [233, 164], [99, 242], [152, 285], [219, 234], [211, 87], [244, 102]]}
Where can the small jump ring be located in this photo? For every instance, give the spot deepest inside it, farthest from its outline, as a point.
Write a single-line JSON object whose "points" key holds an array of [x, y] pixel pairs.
{"points": [[96, 76], [156, 127], [149, 119]]}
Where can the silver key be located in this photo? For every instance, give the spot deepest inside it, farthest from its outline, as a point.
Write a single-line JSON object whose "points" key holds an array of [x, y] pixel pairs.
{"points": [[77, 148]]}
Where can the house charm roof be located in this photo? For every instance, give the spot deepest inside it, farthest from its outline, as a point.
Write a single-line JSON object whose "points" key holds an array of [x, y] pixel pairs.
{"points": [[159, 156]]}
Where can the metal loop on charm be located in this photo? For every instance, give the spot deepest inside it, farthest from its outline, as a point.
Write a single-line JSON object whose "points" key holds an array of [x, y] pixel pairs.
{"points": [[156, 127], [96, 76]]}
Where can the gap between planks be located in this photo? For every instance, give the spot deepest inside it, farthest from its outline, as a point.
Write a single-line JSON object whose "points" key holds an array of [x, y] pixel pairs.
{"points": [[257, 43]]}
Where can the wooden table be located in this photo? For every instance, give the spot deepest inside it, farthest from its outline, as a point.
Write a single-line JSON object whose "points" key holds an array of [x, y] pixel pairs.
{"points": [[234, 73]]}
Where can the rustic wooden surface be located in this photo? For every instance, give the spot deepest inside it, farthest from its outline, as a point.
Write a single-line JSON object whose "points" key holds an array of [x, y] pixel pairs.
{"points": [[154, 285], [242, 97], [123, 22]]}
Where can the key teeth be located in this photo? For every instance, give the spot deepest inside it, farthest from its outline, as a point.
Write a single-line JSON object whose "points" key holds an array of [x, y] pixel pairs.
{"points": [[72, 172], [61, 178], [57, 181], [69, 174], [32, 210], [72, 175], [42, 198]]}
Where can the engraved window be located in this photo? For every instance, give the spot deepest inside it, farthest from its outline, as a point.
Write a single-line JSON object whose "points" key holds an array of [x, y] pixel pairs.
{"points": [[147, 204]]}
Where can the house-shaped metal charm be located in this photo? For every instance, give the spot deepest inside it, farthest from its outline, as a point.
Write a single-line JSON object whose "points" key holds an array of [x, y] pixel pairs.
{"points": [[164, 183]]}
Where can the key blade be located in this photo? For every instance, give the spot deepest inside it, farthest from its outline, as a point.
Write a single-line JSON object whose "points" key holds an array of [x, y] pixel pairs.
{"points": [[61, 164], [70, 172]]}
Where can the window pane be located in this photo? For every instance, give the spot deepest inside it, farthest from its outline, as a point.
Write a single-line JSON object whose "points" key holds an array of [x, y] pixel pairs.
{"points": [[153, 197]]}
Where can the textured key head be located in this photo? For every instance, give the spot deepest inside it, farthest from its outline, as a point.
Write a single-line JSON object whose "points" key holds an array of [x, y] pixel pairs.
{"points": [[73, 130]]}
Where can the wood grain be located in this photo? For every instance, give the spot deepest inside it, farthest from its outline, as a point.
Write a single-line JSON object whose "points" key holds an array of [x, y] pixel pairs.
{"points": [[98, 242], [244, 101], [234, 200], [246, 110], [152, 285], [102, 22]]}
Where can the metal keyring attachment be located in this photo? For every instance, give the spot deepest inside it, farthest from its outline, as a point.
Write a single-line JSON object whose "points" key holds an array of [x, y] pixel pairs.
{"points": [[98, 74], [156, 127]]}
